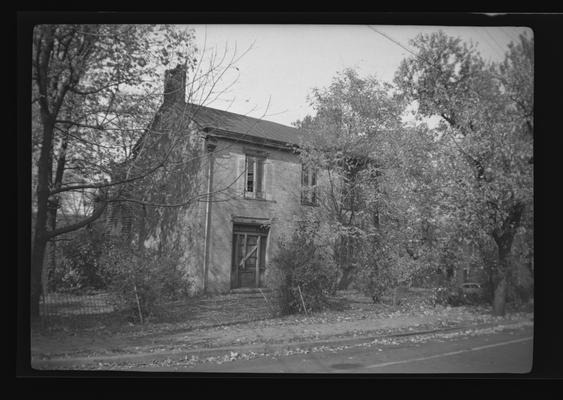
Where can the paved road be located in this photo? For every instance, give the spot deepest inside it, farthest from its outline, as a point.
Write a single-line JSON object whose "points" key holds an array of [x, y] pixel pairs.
{"points": [[502, 352]]}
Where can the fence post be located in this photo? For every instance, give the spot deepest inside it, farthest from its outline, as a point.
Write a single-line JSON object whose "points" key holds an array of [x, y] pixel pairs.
{"points": [[138, 303], [302, 301]]}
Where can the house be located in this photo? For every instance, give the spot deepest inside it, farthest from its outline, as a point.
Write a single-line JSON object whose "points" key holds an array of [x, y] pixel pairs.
{"points": [[255, 189]]}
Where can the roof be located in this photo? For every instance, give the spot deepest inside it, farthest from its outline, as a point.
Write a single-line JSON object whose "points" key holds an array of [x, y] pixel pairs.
{"points": [[211, 118]]}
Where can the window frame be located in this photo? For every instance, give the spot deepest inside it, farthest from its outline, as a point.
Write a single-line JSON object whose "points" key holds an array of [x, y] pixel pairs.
{"points": [[258, 176]]}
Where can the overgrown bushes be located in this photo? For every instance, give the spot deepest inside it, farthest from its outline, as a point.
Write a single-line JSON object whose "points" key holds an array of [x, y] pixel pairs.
{"points": [[138, 281], [373, 277], [453, 296], [307, 275], [142, 280], [77, 264]]}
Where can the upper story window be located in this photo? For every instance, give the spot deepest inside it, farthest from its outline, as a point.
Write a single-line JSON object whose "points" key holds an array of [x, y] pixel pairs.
{"points": [[254, 182], [308, 185]]}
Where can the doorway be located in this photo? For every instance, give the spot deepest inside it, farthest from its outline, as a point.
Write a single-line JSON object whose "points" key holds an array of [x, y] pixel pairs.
{"points": [[249, 256]]}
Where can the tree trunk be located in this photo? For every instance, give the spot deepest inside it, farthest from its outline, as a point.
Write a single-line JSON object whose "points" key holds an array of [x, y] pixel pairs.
{"points": [[41, 238], [346, 278], [37, 257], [503, 238], [499, 301]]}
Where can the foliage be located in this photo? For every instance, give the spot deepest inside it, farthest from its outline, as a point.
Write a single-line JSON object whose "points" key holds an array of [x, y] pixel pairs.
{"points": [[308, 275], [519, 295], [96, 92], [78, 262], [378, 185], [451, 295], [374, 277], [484, 140], [141, 280]]}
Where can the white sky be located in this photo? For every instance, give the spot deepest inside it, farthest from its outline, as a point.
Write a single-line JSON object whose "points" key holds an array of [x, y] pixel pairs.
{"points": [[287, 61]]}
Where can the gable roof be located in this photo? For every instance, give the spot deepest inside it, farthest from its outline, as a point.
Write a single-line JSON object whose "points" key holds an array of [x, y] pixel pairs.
{"points": [[225, 121]]}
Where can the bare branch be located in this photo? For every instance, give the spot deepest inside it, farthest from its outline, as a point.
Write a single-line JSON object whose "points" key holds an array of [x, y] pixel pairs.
{"points": [[72, 227]]}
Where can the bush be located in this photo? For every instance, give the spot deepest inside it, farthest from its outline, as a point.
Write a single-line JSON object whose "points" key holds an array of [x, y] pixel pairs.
{"points": [[451, 295], [307, 276], [142, 281], [78, 266], [518, 295], [373, 281], [374, 277], [447, 296]]}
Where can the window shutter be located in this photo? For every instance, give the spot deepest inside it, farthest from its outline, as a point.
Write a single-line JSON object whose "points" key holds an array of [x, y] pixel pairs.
{"points": [[268, 179], [241, 176]]}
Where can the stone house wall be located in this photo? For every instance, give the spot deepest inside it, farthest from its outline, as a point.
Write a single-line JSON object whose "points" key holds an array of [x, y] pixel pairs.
{"points": [[280, 209]]}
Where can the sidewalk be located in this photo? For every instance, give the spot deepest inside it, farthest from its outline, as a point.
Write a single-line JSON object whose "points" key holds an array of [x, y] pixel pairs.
{"points": [[359, 324]]}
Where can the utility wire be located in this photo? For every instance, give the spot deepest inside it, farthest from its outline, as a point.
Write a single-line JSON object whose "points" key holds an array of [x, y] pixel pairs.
{"points": [[512, 38], [394, 41], [416, 55], [405, 48], [494, 40], [485, 41]]}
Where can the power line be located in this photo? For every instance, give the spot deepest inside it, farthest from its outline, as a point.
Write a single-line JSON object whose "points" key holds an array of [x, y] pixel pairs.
{"points": [[512, 38], [506, 34], [484, 41], [403, 47], [416, 55], [494, 40]]}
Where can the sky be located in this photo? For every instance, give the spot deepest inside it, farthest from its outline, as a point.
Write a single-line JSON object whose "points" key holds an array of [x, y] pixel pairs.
{"points": [[273, 79]]}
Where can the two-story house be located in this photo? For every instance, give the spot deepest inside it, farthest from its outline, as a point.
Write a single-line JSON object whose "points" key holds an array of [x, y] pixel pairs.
{"points": [[255, 186]]}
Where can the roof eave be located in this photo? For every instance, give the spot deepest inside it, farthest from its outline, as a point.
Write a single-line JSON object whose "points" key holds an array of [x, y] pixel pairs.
{"points": [[245, 138]]}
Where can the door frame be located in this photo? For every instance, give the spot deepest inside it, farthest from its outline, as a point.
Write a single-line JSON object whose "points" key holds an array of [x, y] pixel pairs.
{"points": [[243, 231]]}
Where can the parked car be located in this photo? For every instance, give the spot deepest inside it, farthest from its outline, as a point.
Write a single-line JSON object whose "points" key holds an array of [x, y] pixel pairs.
{"points": [[471, 288]]}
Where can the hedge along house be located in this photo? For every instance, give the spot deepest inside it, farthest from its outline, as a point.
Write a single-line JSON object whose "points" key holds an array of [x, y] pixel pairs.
{"points": [[250, 190]]}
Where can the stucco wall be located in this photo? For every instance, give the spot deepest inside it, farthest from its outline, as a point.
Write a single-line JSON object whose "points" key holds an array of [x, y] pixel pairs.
{"points": [[282, 207]]}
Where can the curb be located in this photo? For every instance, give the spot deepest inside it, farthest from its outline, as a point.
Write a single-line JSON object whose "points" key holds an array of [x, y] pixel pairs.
{"points": [[175, 355]]}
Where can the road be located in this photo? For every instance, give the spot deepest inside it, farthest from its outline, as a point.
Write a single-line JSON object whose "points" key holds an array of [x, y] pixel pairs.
{"points": [[509, 351]]}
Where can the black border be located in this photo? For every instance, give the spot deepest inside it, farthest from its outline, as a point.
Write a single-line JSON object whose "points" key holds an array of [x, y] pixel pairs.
{"points": [[549, 67]]}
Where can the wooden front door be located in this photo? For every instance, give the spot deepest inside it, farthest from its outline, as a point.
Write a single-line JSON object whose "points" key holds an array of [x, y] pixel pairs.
{"points": [[249, 256]]}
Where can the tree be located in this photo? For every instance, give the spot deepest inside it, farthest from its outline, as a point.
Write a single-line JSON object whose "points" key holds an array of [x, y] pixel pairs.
{"points": [[95, 93], [377, 190], [351, 115], [486, 136]]}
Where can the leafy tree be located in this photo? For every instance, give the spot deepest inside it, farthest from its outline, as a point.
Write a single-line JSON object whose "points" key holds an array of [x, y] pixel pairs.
{"points": [[377, 193], [95, 92], [351, 115], [486, 136]]}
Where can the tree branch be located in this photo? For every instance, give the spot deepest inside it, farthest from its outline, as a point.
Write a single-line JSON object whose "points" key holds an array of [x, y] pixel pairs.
{"points": [[72, 227]]}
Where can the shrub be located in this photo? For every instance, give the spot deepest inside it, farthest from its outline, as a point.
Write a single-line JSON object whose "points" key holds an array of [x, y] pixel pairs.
{"points": [[308, 276], [373, 280], [141, 281], [447, 295], [451, 295], [78, 265], [518, 295]]}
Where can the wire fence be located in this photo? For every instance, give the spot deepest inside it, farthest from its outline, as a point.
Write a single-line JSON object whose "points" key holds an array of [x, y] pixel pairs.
{"points": [[82, 310], [76, 305]]}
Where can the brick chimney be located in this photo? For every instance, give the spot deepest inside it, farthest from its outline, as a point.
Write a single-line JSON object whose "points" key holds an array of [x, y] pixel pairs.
{"points": [[175, 85]]}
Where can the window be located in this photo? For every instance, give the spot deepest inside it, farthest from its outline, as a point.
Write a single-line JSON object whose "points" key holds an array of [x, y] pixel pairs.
{"points": [[308, 185], [254, 185]]}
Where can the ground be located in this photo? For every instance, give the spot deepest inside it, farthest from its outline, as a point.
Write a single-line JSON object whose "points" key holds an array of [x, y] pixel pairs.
{"points": [[356, 323]]}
